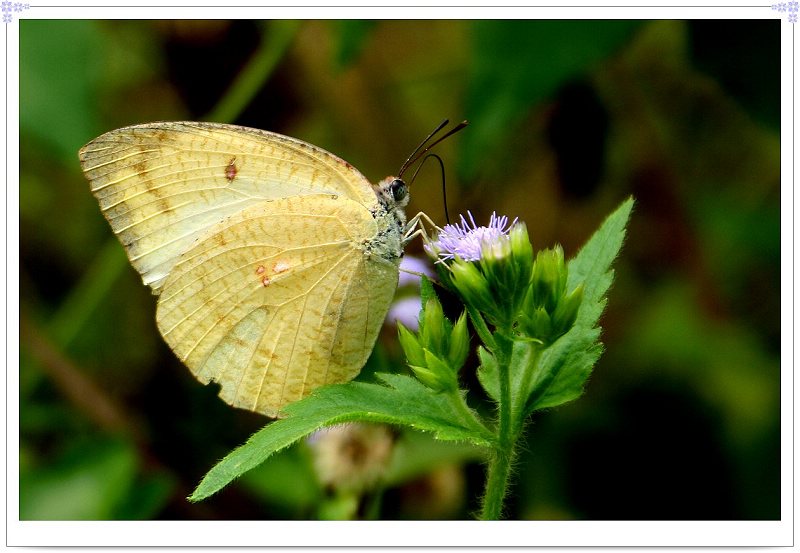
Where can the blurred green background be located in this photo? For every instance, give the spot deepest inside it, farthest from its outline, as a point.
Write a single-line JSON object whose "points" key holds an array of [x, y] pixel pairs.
{"points": [[681, 417]]}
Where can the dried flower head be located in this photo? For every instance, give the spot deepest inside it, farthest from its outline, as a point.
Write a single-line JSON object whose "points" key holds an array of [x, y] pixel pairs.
{"points": [[351, 457]]}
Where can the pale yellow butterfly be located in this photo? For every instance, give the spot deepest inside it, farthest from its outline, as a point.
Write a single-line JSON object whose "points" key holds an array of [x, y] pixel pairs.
{"points": [[273, 260]]}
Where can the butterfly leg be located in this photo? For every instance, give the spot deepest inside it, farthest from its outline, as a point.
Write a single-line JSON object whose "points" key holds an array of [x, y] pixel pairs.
{"points": [[415, 227]]}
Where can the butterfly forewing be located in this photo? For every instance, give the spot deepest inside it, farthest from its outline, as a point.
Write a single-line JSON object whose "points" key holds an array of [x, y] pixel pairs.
{"points": [[162, 185]]}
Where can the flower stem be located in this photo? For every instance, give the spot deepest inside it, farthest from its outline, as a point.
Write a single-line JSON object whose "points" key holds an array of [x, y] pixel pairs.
{"points": [[497, 484], [500, 464]]}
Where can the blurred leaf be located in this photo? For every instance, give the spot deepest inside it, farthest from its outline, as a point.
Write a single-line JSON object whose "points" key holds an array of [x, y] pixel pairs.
{"points": [[339, 507], [147, 498], [87, 483], [352, 35], [275, 42], [517, 65], [723, 361], [405, 401], [417, 453], [286, 481], [62, 56]]}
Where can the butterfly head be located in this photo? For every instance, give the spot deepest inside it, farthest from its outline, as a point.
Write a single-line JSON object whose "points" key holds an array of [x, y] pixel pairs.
{"points": [[392, 192]]}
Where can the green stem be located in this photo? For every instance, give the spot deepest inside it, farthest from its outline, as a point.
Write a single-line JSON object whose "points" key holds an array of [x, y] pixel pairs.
{"points": [[274, 43], [500, 463], [90, 291], [497, 484]]}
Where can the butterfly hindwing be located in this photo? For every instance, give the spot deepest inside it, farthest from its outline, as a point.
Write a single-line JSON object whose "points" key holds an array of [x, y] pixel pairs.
{"points": [[278, 299]]}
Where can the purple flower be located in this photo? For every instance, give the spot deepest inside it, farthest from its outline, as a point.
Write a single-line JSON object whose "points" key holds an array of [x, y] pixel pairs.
{"points": [[406, 311], [415, 264], [466, 240], [6, 6], [792, 6], [792, 18], [6, 17]]}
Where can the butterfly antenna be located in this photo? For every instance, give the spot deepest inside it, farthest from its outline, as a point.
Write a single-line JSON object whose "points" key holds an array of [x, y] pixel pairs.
{"points": [[420, 151], [444, 181]]}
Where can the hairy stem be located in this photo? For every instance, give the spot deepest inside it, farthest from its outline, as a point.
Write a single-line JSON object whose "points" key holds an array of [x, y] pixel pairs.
{"points": [[497, 479], [500, 463]]}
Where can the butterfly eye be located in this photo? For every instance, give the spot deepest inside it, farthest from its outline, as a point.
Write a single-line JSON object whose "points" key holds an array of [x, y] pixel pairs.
{"points": [[399, 190]]}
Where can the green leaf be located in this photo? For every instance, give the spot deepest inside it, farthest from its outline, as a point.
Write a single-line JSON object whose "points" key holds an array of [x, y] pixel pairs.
{"points": [[566, 365], [489, 374], [402, 401], [426, 292]]}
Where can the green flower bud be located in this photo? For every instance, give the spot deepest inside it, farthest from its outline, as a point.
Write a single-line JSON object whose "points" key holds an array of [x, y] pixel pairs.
{"points": [[459, 343], [536, 324], [567, 311], [549, 278], [522, 255], [521, 248], [430, 378], [432, 326], [411, 346], [442, 371], [470, 284], [438, 350]]}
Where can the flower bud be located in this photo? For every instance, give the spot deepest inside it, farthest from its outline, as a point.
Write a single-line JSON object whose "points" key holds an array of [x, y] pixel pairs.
{"points": [[430, 378], [549, 278], [567, 311], [411, 346], [459, 343], [442, 371], [548, 310], [438, 350], [433, 325], [537, 324], [470, 284]]}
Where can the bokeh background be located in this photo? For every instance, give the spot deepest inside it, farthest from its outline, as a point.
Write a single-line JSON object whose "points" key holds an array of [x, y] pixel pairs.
{"points": [[680, 419]]}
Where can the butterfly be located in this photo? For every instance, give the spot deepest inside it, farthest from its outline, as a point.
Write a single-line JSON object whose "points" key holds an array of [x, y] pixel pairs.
{"points": [[274, 261]]}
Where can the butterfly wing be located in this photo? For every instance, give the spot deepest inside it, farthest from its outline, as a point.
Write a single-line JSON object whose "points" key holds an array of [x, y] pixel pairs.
{"points": [[279, 299], [162, 186]]}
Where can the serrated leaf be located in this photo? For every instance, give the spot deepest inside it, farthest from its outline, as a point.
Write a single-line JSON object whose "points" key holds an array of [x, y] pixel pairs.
{"points": [[402, 401], [566, 365]]}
